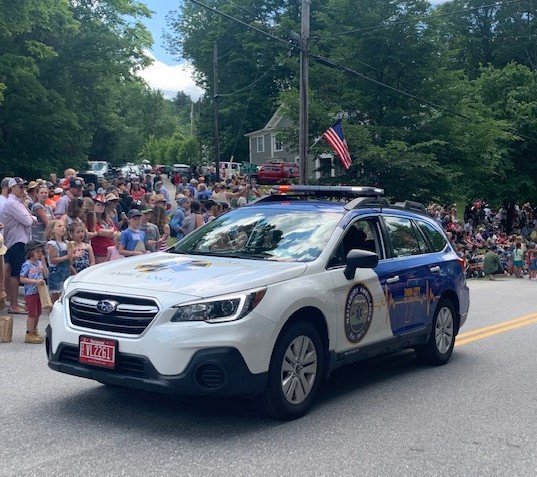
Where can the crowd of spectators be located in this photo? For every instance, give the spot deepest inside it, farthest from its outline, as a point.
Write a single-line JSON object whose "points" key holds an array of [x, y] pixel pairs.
{"points": [[79, 224], [76, 225], [492, 241]]}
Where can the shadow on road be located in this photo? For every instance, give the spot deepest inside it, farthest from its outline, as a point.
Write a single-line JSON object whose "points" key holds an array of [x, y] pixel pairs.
{"points": [[204, 417]]}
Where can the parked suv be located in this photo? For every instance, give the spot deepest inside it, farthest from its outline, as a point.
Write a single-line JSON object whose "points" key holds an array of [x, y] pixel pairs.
{"points": [[276, 172], [267, 300]]}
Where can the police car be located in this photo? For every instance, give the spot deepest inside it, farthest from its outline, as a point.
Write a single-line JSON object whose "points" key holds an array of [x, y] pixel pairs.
{"points": [[267, 300]]}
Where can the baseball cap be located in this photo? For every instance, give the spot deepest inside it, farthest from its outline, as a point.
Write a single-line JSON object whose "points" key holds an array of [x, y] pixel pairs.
{"points": [[134, 213], [147, 211], [58, 190], [32, 245], [15, 181], [5, 182], [76, 183], [183, 200], [159, 198]]}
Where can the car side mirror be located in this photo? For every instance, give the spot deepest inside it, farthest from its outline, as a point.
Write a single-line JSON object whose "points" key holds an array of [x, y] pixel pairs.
{"points": [[359, 259]]}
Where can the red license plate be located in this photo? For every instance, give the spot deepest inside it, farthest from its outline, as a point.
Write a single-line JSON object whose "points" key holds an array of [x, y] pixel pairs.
{"points": [[97, 352]]}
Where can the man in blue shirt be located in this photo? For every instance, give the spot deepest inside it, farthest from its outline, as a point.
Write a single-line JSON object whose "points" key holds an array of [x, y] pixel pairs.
{"points": [[176, 222]]}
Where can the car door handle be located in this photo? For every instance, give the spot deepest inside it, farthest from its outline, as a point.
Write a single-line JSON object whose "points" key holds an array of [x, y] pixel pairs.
{"points": [[434, 269], [393, 279]]}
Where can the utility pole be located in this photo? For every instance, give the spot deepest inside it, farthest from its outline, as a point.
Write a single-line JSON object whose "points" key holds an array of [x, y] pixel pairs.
{"points": [[215, 108], [304, 85], [191, 118]]}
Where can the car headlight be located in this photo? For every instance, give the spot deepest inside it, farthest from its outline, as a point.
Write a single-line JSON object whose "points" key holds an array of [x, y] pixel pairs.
{"points": [[218, 310], [64, 287]]}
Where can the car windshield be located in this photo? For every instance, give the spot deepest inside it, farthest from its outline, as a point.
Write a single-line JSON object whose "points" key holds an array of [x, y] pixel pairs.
{"points": [[263, 234], [96, 166]]}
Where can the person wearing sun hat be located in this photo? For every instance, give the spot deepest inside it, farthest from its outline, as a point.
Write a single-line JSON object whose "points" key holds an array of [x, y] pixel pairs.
{"points": [[18, 228]]}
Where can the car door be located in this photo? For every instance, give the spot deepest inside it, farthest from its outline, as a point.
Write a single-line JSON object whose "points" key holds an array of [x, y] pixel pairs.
{"points": [[404, 274], [362, 317]]}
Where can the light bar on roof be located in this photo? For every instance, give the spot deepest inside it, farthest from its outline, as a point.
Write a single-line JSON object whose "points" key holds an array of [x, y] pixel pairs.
{"points": [[329, 191]]}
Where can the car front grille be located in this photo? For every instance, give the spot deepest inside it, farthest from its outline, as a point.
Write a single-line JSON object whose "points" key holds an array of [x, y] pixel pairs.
{"points": [[131, 316]]}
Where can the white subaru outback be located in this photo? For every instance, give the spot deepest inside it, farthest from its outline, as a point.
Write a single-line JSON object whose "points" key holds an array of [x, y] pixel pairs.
{"points": [[267, 300]]}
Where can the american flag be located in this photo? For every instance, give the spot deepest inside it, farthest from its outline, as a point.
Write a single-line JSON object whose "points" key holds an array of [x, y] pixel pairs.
{"points": [[334, 137]]}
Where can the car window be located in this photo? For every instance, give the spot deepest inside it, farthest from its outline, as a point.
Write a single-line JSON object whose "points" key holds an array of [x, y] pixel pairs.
{"points": [[361, 234], [402, 237], [436, 239], [263, 234]]}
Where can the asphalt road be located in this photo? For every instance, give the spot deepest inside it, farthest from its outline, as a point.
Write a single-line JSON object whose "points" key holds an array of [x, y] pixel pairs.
{"points": [[390, 416]]}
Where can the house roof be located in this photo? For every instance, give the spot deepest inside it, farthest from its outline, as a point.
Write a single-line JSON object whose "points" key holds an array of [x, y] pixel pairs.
{"points": [[271, 124]]}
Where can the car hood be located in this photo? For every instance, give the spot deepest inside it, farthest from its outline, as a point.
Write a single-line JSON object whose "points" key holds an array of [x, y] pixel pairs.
{"points": [[195, 275]]}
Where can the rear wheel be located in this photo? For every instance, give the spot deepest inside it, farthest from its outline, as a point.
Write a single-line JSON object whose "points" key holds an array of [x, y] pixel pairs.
{"points": [[439, 347], [295, 372]]}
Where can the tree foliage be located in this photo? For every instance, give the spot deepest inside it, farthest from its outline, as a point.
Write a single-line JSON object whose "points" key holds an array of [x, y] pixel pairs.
{"points": [[466, 125], [68, 89]]}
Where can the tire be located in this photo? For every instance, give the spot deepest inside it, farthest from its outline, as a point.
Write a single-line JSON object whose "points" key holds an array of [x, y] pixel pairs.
{"points": [[295, 373], [439, 347]]}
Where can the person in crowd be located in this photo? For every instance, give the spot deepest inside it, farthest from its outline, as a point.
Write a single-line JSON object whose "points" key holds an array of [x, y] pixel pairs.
{"points": [[75, 191], [74, 213], [212, 210], [3, 196], [31, 193], [89, 218], [203, 192], [42, 212], [149, 200], [17, 233], [3, 294], [492, 264], [159, 218], [32, 275], [152, 234], [532, 262], [59, 256], [105, 230], [132, 240], [54, 195], [148, 183], [518, 260], [178, 217], [195, 219], [161, 189], [112, 252], [83, 251], [137, 192]]}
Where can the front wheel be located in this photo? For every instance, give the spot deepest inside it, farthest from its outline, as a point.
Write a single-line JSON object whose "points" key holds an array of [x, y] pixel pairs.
{"points": [[295, 372], [439, 347]]}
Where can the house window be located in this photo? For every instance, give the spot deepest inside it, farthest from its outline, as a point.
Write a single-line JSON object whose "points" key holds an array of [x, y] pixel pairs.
{"points": [[260, 144], [278, 145]]}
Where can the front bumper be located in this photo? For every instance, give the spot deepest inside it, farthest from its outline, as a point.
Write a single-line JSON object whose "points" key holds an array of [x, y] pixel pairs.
{"points": [[221, 371]]}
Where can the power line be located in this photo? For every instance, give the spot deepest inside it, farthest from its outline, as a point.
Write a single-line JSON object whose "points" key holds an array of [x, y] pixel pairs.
{"points": [[424, 17], [331, 64]]}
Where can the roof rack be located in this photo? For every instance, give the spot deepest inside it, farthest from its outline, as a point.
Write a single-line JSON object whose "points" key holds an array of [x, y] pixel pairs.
{"points": [[362, 202], [411, 205]]}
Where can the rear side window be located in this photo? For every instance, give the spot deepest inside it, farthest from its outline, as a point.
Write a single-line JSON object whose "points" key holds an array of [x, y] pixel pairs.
{"points": [[402, 237], [436, 239]]}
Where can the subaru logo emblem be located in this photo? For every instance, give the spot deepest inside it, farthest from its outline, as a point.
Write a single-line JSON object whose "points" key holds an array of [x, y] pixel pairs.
{"points": [[107, 306]]}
